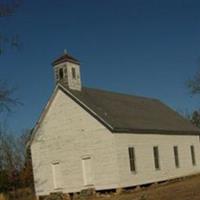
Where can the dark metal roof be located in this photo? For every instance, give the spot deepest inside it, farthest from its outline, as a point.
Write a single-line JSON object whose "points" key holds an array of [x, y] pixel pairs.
{"points": [[64, 58], [134, 114]]}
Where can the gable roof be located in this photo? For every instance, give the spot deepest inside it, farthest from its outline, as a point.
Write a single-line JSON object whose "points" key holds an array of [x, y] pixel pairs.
{"points": [[122, 113], [64, 58], [132, 114]]}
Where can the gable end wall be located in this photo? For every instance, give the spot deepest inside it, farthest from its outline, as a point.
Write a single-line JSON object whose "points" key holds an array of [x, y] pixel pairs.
{"points": [[66, 134]]}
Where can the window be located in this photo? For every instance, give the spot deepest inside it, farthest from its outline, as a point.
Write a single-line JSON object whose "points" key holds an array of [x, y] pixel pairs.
{"points": [[131, 152], [57, 76], [73, 73], [156, 158], [61, 74], [193, 155], [176, 157]]}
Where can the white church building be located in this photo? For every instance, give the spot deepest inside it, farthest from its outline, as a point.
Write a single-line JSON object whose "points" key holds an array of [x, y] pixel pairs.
{"points": [[90, 138]]}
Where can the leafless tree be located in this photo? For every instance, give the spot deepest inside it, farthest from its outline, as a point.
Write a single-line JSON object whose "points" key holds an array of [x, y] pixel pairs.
{"points": [[11, 153], [8, 8], [194, 83], [14, 168], [7, 101]]}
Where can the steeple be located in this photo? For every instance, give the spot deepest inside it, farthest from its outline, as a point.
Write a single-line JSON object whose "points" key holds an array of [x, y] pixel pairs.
{"points": [[67, 71]]}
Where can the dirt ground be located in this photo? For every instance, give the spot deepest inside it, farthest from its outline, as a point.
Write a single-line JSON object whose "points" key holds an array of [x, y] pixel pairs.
{"points": [[183, 189]]}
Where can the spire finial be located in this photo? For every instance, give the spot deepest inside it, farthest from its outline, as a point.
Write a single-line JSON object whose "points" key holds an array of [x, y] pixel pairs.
{"points": [[65, 51]]}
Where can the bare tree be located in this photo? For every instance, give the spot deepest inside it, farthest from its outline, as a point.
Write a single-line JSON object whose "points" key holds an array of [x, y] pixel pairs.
{"points": [[11, 150], [194, 83], [7, 101], [15, 170], [8, 8], [194, 88], [195, 118]]}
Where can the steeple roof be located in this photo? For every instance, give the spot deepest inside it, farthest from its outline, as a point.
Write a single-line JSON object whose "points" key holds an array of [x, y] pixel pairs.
{"points": [[65, 58]]}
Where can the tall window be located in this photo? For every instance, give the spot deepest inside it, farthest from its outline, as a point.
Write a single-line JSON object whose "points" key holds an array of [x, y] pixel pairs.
{"points": [[61, 74], [193, 155], [156, 157], [131, 152], [73, 73], [176, 157]]}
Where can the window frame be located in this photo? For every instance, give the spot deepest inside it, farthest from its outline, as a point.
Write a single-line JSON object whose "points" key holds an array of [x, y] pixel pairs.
{"points": [[193, 156], [176, 156], [156, 156], [73, 72], [61, 73], [132, 159]]}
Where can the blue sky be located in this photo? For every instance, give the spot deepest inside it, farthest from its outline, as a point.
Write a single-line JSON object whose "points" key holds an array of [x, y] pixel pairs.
{"points": [[143, 47]]}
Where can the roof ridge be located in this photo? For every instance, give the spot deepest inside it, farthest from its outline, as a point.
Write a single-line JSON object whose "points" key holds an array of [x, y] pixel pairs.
{"points": [[128, 113]]}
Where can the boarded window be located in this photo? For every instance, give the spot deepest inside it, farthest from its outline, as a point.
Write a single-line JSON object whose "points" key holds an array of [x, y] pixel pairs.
{"points": [[87, 171], [193, 155], [131, 152], [73, 73], [176, 156], [156, 158], [57, 177], [61, 74]]}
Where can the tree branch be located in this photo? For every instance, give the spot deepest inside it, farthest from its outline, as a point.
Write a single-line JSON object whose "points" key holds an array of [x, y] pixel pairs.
{"points": [[194, 84], [6, 99], [7, 9]]}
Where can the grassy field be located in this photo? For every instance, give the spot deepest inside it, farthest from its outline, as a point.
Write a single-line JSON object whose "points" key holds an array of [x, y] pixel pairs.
{"points": [[183, 189]]}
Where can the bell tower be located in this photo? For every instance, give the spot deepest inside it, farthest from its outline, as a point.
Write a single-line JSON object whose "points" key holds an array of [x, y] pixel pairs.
{"points": [[67, 72]]}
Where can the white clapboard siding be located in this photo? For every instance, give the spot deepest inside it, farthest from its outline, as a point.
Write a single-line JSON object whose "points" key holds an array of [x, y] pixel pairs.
{"points": [[144, 158], [66, 135], [69, 134], [57, 175]]}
